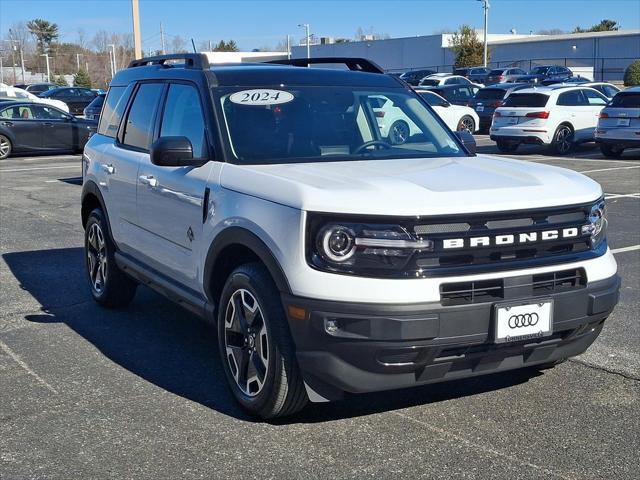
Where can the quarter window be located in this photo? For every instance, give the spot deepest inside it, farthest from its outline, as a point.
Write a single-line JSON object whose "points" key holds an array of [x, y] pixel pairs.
{"points": [[183, 117], [139, 127], [594, 98]]}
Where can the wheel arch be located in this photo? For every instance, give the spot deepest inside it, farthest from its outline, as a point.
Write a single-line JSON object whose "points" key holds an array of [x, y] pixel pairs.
{"points": [[231, 248], [92, 198]]}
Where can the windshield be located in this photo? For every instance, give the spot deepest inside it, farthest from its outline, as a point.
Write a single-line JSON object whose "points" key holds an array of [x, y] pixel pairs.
{"points": [[539, 71], [316, 124]]}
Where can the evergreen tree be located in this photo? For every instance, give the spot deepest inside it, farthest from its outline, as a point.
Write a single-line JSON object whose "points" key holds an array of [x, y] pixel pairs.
{"points": [[61, 81], [82, 79], [468, 48]]}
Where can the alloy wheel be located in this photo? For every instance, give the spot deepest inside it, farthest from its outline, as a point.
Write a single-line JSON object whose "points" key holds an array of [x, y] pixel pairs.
{"points": [[466, 124], [246, 342], [399, 133], [5, 146], [563, 139], [97, 258]]}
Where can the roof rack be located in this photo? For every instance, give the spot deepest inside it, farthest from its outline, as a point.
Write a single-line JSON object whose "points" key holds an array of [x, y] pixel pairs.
{"points": [[352, 63], [196, 61]]}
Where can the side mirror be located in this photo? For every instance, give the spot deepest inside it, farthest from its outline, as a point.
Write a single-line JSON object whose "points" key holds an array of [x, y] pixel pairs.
{"points": [[468, 141], [444, 104], [174, 152]]}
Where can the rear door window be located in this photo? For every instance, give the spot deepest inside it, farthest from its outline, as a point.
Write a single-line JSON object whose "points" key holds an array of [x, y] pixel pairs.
{"points": [[572, 98], [138, 131], [526, 100]]}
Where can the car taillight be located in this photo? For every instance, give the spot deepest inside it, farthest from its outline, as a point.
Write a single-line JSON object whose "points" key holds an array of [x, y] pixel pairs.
{"points": [[603, 115], [538, 114], [379, 114], [501, 77], [496, 114], [497, 104]]}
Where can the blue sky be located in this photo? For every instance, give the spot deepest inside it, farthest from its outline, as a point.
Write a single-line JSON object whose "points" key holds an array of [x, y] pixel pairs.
{"points": [[255, 24]]}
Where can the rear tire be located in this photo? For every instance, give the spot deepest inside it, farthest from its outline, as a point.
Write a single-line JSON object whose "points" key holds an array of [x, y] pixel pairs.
{"points": [[611, 151], [507, 147], [110, 286], [5, 147], [256, 348], [467, 123], [562, 142], [399, 132]]}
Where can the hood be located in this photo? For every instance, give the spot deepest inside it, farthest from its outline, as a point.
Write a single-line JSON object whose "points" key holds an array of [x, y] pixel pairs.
{"points": [[408, 187]]}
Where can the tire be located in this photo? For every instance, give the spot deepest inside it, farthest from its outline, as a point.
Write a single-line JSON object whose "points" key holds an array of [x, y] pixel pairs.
{"points": [[611, 151], [399, 132], [5, 147], [562, 142], [110, 286], [467, 123], [507, 147], [258, 336]]}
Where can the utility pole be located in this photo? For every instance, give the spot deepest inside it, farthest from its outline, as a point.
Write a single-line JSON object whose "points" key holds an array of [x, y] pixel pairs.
{"points": [[137, 42], [22, 62], [78, 61], [112, 60], [13, 61], [46, 56], [306, 29], [162, 39], [485, 7]]}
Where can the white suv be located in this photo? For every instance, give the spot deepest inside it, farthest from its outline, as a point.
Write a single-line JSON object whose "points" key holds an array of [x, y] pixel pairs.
{"points": [[264, 199], [556, 116], [619, 123]]}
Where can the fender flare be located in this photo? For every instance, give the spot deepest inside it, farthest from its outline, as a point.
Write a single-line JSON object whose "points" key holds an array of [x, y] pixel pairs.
{"points": [[91, 188], [242, 236]]}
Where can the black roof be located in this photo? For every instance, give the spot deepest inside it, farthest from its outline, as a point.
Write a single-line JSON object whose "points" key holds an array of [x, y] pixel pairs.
{"points": [[256, 74]]}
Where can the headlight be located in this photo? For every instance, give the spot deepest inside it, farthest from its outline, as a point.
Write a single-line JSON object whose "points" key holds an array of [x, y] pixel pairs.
{"points": [[369, 249], [597, 226]]}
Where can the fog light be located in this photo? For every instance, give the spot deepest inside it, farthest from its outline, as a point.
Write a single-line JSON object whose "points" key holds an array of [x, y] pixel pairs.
{"points": [[331, 326]]}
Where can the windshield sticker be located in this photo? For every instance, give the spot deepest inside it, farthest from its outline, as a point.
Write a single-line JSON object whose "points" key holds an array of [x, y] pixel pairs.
{"points": [[261, 97]]}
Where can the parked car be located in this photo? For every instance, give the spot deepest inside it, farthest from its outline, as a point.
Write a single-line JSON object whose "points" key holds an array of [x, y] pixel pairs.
{"points": [[487, 99], [456, 94], [439, 79], [504, 75], [36, 88], [413, 77], [619, 123], [547, 73], [75, 97], [18, 94], [475, 74], [557, 117], [457, 117], [330, 261], [92, 111], [607, 89], [33, 127]]}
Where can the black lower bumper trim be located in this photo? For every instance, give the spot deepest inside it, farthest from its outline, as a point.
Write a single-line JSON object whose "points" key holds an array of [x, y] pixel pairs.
{"points": [[375, 347]]}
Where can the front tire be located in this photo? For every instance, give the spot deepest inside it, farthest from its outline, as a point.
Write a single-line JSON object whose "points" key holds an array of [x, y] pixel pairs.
{"points": [[467, 124], [562, 142], [256, 348], [611, 151], [110, 286], [5, 147]]}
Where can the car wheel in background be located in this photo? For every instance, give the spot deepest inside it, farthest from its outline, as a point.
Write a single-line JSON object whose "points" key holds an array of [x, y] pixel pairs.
{"points": [[110, 286], [507, 147], [398, 132], [5, 147], [611, 151], [256, 348], [562, 142], [467, 124]]}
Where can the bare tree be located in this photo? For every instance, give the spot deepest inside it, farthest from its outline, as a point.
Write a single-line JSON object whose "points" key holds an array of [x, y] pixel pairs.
{"points": [[101, 41], [178, 44]]}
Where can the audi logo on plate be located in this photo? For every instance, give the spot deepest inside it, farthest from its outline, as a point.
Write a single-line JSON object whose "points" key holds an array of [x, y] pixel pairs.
{"points": [[523, 320]]}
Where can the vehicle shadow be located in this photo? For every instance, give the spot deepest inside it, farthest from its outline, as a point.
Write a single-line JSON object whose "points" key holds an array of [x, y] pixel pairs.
{"points": [[171, 348]]}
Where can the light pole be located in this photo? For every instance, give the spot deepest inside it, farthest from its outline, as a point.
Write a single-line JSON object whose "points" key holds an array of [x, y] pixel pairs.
{"points": [[46, 56], [306, 29], [137, 42], [78, 61], [485, 7], [13, 39], [112, 59]]}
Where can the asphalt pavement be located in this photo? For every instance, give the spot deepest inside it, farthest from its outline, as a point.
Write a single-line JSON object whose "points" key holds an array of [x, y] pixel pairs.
{"points": [[87, 392]]}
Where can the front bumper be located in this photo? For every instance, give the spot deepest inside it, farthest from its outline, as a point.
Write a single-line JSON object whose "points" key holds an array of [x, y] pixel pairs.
{"points": [[382, 347]]}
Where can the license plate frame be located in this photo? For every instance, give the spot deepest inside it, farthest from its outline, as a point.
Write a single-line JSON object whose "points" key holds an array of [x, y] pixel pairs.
{"points": [[512, 120], [623, 122], [479, 108], [502, 320]]}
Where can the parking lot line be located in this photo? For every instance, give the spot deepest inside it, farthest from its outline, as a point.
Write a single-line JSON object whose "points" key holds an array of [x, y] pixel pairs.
{"points": [[70, 165], [610, 196], [5, 348], [608, 169], [625, 249]]}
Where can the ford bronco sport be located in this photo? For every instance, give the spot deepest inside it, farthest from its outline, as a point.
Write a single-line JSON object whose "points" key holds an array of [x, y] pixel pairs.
{"points": [[332, 260]]}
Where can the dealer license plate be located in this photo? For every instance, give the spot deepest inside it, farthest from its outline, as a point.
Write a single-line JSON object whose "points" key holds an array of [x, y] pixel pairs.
{"points": [[623, 122], [480, 108], [516, 322], [512, 120]]}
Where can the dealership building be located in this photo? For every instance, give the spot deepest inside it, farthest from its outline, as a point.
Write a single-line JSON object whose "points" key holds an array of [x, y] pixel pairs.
{"points": [[596, 55]]}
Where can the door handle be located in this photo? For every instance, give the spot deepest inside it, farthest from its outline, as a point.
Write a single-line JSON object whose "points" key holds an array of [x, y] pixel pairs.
{"points": [[8, 124], [48, 124], [148, 180], [108, 169]]}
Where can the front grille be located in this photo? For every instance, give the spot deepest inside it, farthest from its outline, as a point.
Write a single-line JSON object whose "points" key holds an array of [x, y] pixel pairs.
{"points": [[464, 293]]}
